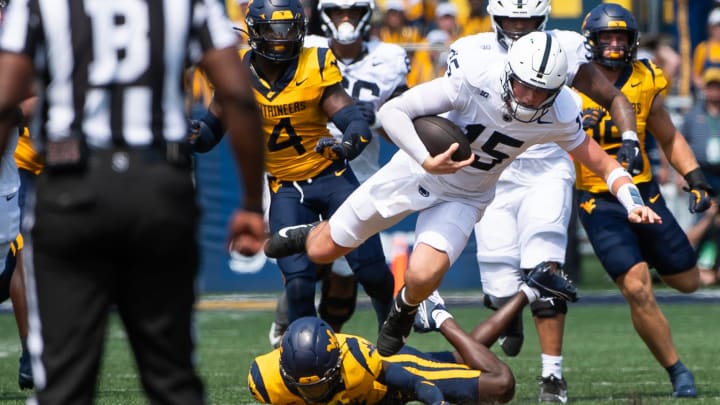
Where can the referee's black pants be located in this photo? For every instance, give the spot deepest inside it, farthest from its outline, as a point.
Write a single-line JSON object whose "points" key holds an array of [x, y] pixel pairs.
{"points": [[122, 232]]}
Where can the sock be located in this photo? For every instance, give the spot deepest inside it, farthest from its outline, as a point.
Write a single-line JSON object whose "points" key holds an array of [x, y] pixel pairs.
{"points": [[440, 316], [23, 343], [675, 369], [551, 365], [405, 306], [531, 293]]}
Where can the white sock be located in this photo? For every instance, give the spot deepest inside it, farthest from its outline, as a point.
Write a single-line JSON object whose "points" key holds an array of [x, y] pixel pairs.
{"points": [[531, 293], [441, 316], [551, 365]]}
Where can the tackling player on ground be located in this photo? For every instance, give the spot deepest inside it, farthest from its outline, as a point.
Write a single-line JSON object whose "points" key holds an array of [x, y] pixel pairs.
{"points": [[315, 365]]}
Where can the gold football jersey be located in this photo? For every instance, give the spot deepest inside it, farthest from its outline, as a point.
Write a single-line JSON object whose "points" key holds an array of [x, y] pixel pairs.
{"points": [[641, 85], [25, 155], [292, 116]]}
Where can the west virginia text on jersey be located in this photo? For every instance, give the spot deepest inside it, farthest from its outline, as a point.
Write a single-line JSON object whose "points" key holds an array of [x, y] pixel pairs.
{"points": [[641, 83], [293, 119]]}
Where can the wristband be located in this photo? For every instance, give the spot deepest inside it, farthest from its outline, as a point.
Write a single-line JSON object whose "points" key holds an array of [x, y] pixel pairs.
{"points": [[629, 196], [629, 136], [615, 174]]}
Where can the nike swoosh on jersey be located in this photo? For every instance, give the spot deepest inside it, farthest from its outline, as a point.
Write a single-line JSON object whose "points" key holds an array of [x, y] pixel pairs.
{"points": [[340, 172], [364, 140], [10, 197], [654, 198], [635, 84], [300, 82], [283, 232]]}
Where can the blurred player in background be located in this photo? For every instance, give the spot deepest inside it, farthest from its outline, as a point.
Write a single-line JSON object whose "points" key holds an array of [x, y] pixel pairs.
{"points": [[627, 251]]}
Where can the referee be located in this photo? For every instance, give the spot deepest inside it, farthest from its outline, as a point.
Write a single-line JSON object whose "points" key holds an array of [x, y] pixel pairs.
{"points": [[114, 220]]}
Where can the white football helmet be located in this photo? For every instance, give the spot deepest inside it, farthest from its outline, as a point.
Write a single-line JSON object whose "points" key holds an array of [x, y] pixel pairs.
{"points": [[345, 33], [516, 9], [535, 60]]}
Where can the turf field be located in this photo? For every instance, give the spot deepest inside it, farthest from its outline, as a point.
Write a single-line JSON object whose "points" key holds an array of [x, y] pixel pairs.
{"points": [[605, 361]]}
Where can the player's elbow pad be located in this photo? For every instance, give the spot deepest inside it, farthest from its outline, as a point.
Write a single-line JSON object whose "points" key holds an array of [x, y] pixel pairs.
{"points": [[356, 132], [211, 133]]}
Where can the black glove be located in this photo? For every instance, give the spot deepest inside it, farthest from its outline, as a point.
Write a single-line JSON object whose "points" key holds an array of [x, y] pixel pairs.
{"points": [[194, 127], [367, 109], [629, 153], [700, 191], [332, 149], [591, 117]]}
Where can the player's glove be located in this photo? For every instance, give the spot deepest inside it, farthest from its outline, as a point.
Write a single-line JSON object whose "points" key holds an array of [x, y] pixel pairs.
{"points": [[629, 153], [194, 127], [367, 109], [332, 149], [700, 191], [591, 117]]}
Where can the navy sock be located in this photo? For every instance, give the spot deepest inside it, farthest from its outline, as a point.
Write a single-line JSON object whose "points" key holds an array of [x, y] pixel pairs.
{"points": [[675, 369]]}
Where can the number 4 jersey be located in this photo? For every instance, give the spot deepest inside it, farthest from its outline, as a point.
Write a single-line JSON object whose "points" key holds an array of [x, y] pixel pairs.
{"points": [[292, 116]]}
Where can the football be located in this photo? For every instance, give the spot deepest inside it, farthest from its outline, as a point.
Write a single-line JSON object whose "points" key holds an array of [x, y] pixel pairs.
{"points": [[438, 133]]}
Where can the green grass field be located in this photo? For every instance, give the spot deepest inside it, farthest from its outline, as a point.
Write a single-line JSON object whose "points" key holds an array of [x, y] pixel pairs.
{"points": [[605, 361]]}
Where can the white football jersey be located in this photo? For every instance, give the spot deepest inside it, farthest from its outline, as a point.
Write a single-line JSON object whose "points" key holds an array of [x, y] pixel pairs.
{"points": [[485, 46], [373, 77], [9, 178], [471, 94]]}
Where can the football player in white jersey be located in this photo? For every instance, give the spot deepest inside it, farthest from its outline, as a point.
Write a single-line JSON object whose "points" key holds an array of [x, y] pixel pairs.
{"points": [[373, 72], [533, 201], [503, 108]]}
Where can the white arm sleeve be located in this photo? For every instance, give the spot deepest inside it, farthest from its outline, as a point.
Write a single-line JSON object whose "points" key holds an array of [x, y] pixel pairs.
{"points": [[396, 115]]}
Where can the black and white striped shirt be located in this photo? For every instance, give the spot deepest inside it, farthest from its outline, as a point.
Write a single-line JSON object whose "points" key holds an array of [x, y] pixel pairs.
{"points": [[129, 88]]}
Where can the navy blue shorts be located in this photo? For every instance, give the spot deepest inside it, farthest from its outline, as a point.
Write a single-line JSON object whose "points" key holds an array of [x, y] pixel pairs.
{"points": [[620, 244], [302, 202]]}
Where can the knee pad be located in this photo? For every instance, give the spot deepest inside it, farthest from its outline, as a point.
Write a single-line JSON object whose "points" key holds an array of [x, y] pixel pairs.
{"points": [[301, 297], [548, 307], [337, 309]]}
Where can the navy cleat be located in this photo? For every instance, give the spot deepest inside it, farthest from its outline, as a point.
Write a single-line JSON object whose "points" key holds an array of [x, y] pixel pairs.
{"points": [[512, 339], [288, 241], [551, 284], [553, 389], [684, 385], [25, 374], [431, 314], [396, 328]]}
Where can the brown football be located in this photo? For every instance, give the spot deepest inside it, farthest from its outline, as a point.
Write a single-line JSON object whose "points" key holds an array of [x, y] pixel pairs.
{"points": [[438, 133]]}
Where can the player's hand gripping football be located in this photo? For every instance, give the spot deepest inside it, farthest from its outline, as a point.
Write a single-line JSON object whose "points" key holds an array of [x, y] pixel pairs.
{"points": [[644, 215], [443, 163]]}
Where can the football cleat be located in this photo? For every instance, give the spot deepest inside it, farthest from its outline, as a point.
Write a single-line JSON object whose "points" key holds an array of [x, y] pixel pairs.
{"points": [[431, 314], [288, 241], [684, 385], [553, 389], [25, 374], [551, 284], [395, 330], [512, 339]]}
